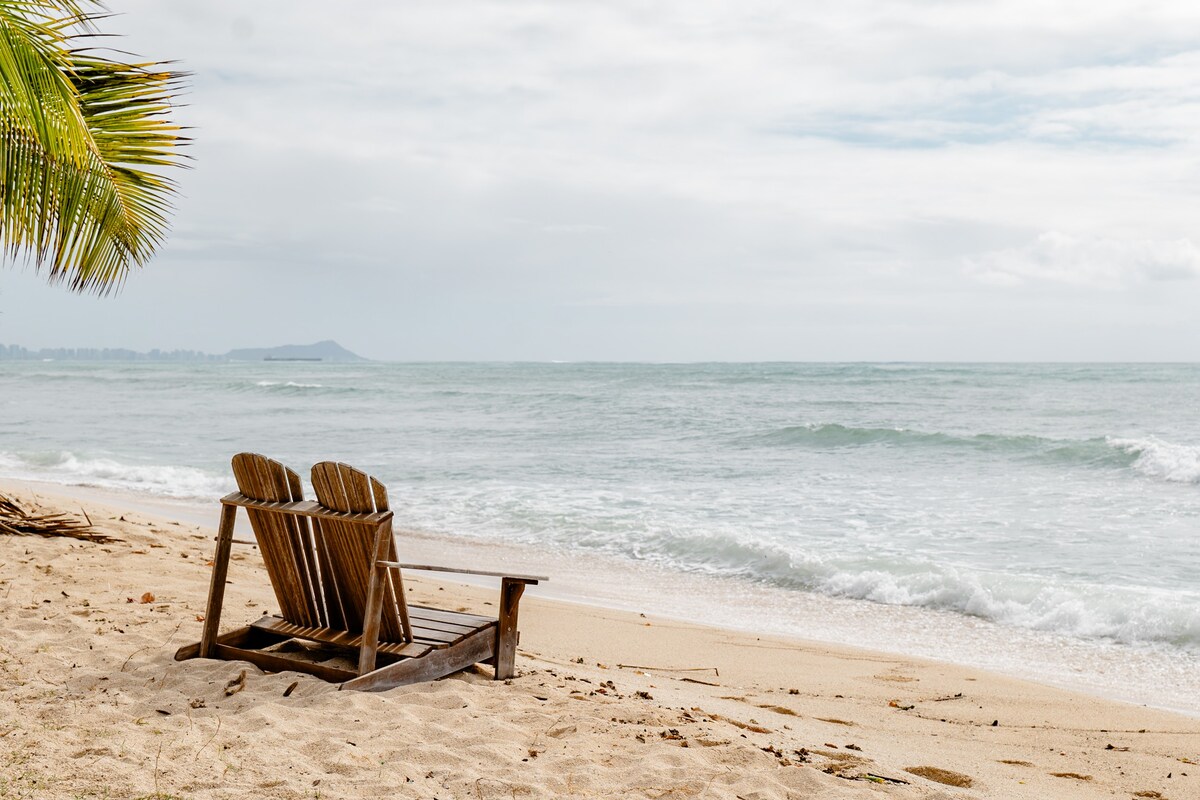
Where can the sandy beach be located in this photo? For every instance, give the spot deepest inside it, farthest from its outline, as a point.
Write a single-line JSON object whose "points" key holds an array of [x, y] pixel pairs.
{"points": [[607, 703], [836, 363]]}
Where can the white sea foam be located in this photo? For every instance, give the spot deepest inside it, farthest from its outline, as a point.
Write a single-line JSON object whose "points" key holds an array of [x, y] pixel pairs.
{"points": [[67, 468], [1093, 611], [1177, 463], [290, 384], [844, 565]]}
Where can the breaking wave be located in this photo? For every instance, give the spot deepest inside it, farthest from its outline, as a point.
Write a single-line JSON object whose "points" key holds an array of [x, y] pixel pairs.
{"points": [[1149, 456], [1176, 463], [302, 388], [67, 468], [1124, 614]]}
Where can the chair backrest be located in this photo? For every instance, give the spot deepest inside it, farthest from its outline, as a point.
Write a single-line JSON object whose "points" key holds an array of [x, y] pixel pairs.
{"points": [[287, 545], [347, 548]]}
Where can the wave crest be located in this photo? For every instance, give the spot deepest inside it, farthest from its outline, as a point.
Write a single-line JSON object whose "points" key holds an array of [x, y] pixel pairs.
{"points": [[301, 388], [838, 435], [1125, 614], [1177, 463], [1129, 615], [1149, 456], [68, 468]]}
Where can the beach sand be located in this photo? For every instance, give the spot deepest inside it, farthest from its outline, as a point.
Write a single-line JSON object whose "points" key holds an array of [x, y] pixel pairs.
{"points": [[607, 703]]}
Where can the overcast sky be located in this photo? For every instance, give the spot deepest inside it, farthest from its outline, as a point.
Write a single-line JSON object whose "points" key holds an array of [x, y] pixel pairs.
{"points": [[617, 180]]}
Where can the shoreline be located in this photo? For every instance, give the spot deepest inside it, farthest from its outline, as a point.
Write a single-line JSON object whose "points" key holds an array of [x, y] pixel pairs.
{"points": [[1104, 670]]}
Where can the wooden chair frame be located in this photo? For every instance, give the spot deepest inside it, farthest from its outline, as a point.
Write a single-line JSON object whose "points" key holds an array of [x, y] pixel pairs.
{"points": [[491, 641]]}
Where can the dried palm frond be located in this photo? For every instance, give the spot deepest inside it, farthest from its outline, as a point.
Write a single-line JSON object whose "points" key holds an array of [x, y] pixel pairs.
{"points": [[17, 521]]}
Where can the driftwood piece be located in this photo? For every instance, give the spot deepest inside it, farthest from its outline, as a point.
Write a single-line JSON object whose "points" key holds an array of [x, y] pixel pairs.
{"points": [[16, 521]]}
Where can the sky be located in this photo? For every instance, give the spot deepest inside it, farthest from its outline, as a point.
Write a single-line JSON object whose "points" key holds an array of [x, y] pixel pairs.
{"points": [[668, 181]]}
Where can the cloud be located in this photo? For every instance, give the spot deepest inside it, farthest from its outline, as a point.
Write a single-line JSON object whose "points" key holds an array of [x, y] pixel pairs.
{"points": [[453, 167], [1091, 262]]}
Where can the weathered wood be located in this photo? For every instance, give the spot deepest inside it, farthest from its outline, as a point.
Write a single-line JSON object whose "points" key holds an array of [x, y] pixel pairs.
{"points": [[397, 582], [438, 638], [374, 608], [239, 637], [188, 651], [506, 632], [334, 608], [530, 579], [282, 538], [274, 663], [335, 573], [439, 663], [304, 508], [438, 628], [304, 546], [216, 586], [339, 638], [444, 615], [351, 548]]}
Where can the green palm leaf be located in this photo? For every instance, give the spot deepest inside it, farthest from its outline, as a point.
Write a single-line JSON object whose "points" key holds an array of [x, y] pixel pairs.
{"points": [[83, 142]]}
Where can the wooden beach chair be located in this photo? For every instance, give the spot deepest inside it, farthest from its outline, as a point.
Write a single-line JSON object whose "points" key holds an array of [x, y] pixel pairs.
{"points": [[337, 579]]}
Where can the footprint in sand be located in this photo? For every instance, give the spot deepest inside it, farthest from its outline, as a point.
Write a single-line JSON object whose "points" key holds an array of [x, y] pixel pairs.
{"points": [[94, 752], [939, 775]]}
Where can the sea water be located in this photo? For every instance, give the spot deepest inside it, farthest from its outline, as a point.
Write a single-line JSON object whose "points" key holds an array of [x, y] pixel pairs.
{"points": [[1038, 519]]}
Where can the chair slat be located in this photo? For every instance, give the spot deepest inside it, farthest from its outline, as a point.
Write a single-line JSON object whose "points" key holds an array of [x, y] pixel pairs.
{"points": [[285, 541], [341, 487], [380, 493], [343, 638], [442, 615]]}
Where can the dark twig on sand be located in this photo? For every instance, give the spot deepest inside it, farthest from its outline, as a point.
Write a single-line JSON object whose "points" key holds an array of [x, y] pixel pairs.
{"points": [[16, 521], [669, 669]]}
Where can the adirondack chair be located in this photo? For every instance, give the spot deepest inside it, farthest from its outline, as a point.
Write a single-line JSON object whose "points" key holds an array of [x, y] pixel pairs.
{"points": [[338, 583]]}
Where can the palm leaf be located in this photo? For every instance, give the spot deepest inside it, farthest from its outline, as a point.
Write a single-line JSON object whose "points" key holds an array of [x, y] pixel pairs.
{"points": [[83, 140]]}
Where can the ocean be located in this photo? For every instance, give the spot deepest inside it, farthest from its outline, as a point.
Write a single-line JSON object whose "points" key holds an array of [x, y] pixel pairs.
{"points": [[1037, 519]]}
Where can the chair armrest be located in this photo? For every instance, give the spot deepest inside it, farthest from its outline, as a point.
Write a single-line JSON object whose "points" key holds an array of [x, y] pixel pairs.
{"points": [[533, 579]]}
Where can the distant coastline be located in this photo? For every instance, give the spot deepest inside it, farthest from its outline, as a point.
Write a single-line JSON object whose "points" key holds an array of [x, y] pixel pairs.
{"points": [[325, 351]]}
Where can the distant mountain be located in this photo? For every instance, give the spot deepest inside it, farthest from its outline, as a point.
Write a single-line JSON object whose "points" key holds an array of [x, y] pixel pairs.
{"points": [[327, 350]]}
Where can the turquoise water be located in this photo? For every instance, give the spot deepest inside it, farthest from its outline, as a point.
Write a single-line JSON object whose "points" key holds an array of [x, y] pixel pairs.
{"points": [[1055, 500]]}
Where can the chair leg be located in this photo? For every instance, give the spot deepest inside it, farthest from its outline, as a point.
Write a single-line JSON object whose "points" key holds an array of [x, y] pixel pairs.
{"points": [[216, 589], [506, 632], [373, 611]]}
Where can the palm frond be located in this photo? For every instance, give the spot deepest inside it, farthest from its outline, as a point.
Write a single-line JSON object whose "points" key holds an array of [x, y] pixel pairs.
{"points": [[17, 521], [83, 140]]}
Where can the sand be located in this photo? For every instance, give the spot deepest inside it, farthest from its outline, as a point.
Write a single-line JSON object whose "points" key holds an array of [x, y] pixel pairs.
{"points": [[607, 703]]}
